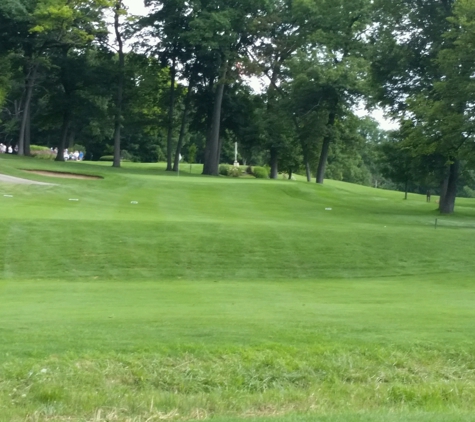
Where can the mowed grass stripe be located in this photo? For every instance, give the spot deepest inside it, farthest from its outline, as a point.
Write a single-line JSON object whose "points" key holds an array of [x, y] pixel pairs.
{"points": [[144, 250], [399, 312]]}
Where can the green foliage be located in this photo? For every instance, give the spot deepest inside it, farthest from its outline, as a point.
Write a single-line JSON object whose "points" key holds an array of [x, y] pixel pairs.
{"points": [[43, 155], [223, 169], [228, 170], [41, 152], [468, 192], [260, 172], [127, 156], [39, 148], [78, 147], [106, 158], [234, 171], [192, 153]]}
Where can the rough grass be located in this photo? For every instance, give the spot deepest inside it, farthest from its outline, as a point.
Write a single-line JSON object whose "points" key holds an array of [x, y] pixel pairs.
{"points": [[158, 297]]}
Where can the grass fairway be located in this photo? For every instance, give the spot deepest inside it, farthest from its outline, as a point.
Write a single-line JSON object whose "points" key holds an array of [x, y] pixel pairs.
{"points": [[145, 296]]}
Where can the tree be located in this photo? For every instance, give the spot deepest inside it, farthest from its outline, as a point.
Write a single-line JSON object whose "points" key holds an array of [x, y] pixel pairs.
{"points": [[169, 26], [224, 28], [16, 20], [65, 28], [414, 74], [397, 162], [118, 11]]}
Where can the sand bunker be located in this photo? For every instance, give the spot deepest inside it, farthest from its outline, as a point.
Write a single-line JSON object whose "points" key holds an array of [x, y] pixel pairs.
{"points": [[64, 175]]}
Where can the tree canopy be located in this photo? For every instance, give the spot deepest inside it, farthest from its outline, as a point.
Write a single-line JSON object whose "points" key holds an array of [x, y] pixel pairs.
{"points": [[176, 82]]}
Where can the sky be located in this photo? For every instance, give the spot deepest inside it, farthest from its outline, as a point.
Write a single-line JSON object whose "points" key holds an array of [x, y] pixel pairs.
{"points": [[136, 7]]}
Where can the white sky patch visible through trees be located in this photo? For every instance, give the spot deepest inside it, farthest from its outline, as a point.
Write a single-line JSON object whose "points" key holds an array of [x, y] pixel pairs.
{"points": [[136, 7]]}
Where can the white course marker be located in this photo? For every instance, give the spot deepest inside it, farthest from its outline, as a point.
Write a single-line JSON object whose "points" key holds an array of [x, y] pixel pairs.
{"points": [[75, 200], [328, 209], [134, 202], [8, 196]]}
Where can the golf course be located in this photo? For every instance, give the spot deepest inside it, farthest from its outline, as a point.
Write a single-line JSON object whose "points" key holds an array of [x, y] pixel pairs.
{"points": [[143, 295]]}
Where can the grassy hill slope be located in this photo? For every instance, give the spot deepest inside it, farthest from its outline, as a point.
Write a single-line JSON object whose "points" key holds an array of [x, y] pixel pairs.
{"points": [[147, 295]]}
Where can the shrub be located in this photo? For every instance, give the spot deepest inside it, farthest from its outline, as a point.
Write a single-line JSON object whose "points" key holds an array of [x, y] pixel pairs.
{"points": [[468, 192], [260, 172], [107, 158], [234, 171], [223, 169], [43, 153], [78, 147], [38, 148], [127, 156], [249, 170], [43, 156]]}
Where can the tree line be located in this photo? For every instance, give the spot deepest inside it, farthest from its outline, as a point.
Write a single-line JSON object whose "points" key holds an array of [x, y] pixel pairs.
{"points": [[176, 82]]}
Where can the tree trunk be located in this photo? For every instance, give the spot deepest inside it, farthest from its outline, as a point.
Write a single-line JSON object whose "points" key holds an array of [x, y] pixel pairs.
{"points": [[120, 85], [448, 204], [211, 163], [274, 167], [308, 172], [220, 146], [184, 121], [71, 138], [443, 190], [207, 152], [272, 136], [209, 119], [322, 163], [306, 155], [27, 150], [64, 134], [30, 83], [171, 111], [406, 188]]}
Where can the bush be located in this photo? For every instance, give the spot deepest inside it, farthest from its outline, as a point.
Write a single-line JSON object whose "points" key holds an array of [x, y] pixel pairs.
{"points": [[43, 153], [260, 172], [234, 171], [249, 170], [38, 148], [107, 158], [126, 156], [468, 192], [228, 170], [78, 147], [223, 169]]}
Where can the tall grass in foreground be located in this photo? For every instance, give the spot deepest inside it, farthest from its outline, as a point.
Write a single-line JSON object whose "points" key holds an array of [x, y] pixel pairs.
{"points": [[241, 382]]}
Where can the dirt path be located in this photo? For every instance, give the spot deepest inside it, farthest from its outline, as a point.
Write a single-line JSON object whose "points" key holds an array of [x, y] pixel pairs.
{"points": [[16, 180]]}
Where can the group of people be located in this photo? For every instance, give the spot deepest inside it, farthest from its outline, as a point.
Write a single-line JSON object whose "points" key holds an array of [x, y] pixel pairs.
{"points": [[8, 150], [74, 156]]}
